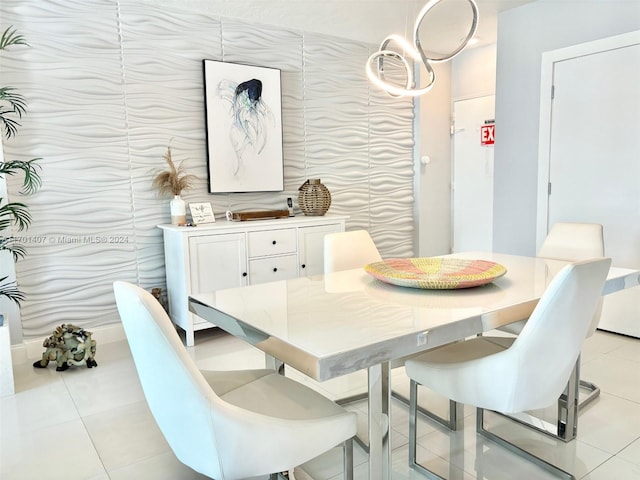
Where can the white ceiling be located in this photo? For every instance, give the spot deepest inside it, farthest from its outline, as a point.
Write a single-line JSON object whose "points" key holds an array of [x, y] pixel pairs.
{"points": [[366, 20]]}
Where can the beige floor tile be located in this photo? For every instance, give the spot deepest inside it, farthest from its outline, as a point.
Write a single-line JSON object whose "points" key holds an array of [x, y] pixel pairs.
{"points": [[125, 435], [610, 423], [615, 469], [631, 453], [35, 408], [113, 383], [160, 467], [614, 375], [63, 451]]}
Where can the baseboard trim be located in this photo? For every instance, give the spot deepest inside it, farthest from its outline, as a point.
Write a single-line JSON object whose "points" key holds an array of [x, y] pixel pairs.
{"points": [[30, 350]]}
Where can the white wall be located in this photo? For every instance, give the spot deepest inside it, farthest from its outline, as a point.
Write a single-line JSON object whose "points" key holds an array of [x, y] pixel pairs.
{"points": [[110, 82], [473, 73], [524, 33], [433, 181], [369, 21]]}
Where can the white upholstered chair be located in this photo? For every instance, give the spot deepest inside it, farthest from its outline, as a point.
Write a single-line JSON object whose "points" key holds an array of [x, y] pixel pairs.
{"points": [[516, 374], [347, 250], [566, 241], [226, 424], [572, 242]]}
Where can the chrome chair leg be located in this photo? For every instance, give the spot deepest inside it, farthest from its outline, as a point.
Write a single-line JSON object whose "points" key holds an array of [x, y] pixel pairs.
{"points": [[298, 473], [594, 392], [549, 467], [456, 413], [413, 434], [348, 459], [565, 427]]}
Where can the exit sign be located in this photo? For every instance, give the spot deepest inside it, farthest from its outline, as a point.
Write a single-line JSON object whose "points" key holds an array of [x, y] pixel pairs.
{"points": [[487, 134]]}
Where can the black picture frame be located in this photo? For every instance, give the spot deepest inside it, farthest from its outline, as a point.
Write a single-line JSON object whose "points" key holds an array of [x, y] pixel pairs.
{"points": [[243, 106]]}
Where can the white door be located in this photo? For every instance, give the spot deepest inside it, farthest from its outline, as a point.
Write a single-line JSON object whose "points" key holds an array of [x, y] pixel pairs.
{"points": [[594, 161], [472, 176]]}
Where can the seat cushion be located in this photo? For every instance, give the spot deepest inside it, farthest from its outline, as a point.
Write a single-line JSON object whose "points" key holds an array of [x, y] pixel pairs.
{"points": [[433, 368], [268, 393]]}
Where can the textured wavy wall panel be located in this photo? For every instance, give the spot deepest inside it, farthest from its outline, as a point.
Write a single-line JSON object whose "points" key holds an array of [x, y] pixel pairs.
{"points": [[72, 78], [336, 116], [162, 52], [111, 83], [391, 155]]}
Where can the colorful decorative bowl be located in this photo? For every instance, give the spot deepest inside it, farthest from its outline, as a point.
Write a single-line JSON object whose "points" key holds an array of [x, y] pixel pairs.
{"points": [[438, 273]]}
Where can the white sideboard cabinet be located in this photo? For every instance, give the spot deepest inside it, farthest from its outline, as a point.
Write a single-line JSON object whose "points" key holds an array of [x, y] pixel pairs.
{"points": [[232, 254]]}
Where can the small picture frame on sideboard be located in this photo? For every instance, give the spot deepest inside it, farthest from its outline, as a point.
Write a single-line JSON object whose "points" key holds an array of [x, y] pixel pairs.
{"points": [[201, 213]]}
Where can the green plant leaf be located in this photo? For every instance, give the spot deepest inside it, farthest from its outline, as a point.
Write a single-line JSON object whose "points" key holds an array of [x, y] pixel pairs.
{"points": [[10, 290], [17, 250], [16, 100], [11, 37], [32, 180], [14, 213], [12, 106]]}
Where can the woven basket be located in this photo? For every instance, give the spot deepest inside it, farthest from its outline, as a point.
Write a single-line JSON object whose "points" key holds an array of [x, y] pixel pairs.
{"points": [[435, 272], [314, 198]]}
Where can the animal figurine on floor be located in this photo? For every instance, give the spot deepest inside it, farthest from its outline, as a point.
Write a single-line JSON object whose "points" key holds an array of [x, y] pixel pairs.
{"points": [[161, 297], [69, 345]]}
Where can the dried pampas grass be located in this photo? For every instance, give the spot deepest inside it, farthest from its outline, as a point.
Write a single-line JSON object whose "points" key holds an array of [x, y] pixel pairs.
{"points": [[174, 180]]}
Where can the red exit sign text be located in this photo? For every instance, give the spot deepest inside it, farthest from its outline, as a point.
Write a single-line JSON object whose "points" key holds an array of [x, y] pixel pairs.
{"points": [[487, 134]]}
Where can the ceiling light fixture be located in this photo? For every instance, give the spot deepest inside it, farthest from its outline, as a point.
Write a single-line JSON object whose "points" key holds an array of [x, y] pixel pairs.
{"points": [[415, 52]]}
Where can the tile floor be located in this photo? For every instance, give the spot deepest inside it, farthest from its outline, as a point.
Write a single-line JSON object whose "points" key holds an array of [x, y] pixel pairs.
{"points": [[94, 424]]}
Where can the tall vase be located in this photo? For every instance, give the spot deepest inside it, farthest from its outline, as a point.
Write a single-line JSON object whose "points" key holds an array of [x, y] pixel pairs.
{"points": [[314, 198], [178, 211]]}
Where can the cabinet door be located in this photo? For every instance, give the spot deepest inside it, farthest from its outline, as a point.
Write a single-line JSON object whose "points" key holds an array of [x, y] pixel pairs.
{"points": [[311, 247], [217, 261]]}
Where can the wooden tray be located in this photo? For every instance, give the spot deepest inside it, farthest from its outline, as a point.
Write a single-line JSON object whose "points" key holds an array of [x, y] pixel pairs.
{"points": [[259, 215]]}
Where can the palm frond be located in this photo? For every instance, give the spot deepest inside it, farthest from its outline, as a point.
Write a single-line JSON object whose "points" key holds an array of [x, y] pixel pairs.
{"points": [[17, 250], [14, 213], [32, 180], [10, 125], [10, 290], [17, 107], [11, 37], [16, 100]]}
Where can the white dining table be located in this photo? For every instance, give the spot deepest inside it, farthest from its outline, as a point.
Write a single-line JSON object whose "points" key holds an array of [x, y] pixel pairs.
{"points": [[326, 326]]}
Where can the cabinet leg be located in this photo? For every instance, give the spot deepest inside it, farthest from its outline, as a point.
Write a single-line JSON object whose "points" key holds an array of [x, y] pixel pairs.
{"points": [[190, 338], [274, 363]]}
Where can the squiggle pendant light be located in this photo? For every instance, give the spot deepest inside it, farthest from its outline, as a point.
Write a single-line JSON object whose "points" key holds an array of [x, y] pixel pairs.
{"points": [[415, 53]]}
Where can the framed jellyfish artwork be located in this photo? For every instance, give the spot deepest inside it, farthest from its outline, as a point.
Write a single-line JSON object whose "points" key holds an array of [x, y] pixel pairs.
{"points": [[244, 127]]}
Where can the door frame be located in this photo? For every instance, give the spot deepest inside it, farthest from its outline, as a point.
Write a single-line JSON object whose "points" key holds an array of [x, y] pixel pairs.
{"points": [[549, 59]]}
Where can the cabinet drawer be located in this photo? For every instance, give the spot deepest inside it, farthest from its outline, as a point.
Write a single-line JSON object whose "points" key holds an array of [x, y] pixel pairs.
{"points": [[271, 269], [272, 242]]}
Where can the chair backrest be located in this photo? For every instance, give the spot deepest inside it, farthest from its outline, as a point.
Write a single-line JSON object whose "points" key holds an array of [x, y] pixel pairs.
{"points": [[574, 242], [178, 396], [545, 352], [347, 250]]}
